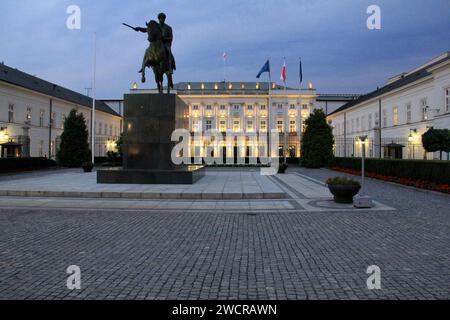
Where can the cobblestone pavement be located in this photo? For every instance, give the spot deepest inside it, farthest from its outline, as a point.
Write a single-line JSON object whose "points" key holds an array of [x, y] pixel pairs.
{"points": [[217, 255]]}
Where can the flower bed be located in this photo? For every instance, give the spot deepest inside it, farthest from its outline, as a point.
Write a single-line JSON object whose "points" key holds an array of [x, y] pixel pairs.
{"points": [[422, 184]]}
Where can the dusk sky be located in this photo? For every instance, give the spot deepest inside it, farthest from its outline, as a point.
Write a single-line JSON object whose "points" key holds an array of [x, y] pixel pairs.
{"points": [[339, 53]]}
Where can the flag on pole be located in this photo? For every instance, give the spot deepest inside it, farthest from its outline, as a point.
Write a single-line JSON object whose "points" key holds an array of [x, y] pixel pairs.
{"points": [[225, 56], [265, 68], [301, 72], [283, 72]]}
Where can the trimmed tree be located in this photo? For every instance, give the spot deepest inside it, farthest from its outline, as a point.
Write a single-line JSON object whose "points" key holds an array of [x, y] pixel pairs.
{"points": [[74, 147], [435, 140], [317, 141]]}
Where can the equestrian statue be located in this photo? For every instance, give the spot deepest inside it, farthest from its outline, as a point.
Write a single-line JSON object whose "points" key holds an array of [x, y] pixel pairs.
{"points": [[158, 55]]}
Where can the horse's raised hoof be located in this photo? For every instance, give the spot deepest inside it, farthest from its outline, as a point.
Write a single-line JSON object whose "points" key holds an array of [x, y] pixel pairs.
{"points": [[143, 79]]}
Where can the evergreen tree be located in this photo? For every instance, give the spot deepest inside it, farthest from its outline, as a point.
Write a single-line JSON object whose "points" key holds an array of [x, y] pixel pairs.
{"points": [[317, 141], [74, 147]]}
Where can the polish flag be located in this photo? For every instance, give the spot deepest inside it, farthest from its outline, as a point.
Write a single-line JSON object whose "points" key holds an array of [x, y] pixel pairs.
{"points": [[283, 72]]}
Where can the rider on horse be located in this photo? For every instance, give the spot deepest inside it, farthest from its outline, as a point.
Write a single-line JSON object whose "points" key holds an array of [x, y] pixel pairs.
{"points": [[160, 38]]}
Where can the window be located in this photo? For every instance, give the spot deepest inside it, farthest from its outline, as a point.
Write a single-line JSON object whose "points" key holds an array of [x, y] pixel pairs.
{"points": [[395, 116], [222, 107], [280, 106], [52, 149], [195, 107], [208, 125], [236, 107], [353, 126], [263, 126], [105, 132], [370, 121], [110, 130], [292, 107], [292, 126], [100, 128], [447, 99], [384, 118], [304, 106], [41, 148], [377, 119], [208, 107], [263, 107], [250, 126], [222, 125], [236, 125], [423, 105], [195, 125], [41, 118], [408, 113], [249, 107], [363, 123], [280, 125], [52, 119], [358, 124], [11, 113], [28, 116], [63, 119]]}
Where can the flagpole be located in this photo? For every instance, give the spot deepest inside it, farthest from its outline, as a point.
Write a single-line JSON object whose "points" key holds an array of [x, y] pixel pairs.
{"points": [[285, 116], [269, 131], [93, 98]]}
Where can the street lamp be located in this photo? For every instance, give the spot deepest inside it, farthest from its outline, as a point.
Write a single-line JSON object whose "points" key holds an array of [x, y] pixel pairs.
{"points": [[361, 201]]}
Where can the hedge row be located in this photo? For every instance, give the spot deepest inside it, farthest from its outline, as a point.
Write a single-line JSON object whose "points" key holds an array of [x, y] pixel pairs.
{"points": [[25, 164], [432, 171]]}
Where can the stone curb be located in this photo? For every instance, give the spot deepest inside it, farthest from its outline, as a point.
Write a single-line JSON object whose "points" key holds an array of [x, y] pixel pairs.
{"points": [[143, 195]]}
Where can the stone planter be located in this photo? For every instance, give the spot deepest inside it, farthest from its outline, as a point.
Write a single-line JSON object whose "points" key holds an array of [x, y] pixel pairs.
{"points": [[343, 193], [87, 166]]}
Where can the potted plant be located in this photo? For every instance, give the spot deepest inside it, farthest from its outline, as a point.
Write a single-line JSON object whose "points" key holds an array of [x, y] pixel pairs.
{"points": [[282, 167], [87, 166], [343, 189]]}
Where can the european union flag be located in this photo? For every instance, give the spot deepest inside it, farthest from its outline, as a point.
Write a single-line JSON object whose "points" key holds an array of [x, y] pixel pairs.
{"points": [[265, 68]]}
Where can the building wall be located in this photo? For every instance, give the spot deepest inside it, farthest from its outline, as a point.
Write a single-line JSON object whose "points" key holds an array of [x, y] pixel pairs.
{"points": [[32, 110], [251, 114], [402, 118]]}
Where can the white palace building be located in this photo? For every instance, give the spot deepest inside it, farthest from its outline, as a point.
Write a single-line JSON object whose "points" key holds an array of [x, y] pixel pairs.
{"points": [[32, 114], [395, 116], [249, 108]]}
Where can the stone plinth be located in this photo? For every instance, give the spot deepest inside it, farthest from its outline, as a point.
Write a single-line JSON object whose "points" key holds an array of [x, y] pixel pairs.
{"points": [[149, 120]]}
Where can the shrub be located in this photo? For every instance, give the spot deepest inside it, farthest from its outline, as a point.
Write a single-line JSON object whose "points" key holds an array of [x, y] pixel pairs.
{"points": [[436, 140], [74, 147], [25, 164], [426, 170], [317, 141]]}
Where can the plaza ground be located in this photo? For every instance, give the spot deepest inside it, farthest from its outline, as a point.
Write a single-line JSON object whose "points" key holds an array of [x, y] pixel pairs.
{"points": [[301, 246]]}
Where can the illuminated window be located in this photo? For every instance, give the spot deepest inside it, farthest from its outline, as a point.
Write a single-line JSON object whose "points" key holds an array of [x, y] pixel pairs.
{"points": [[236, 125], [195, 125], [263, 126], [28, 116], [250, 127], [208, 125], [292, 126], [423, 104], [395, 116], [52, 119], [223, 125], [63, 119], [280, 125]]}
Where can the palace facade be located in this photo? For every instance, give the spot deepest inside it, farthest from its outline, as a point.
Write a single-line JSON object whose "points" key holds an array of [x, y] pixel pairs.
{"points": [[248, 108], [33, 111], [395, 116]]}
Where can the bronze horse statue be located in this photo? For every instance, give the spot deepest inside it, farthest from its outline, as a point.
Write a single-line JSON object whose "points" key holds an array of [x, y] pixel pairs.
{"points": [[157, 56]]}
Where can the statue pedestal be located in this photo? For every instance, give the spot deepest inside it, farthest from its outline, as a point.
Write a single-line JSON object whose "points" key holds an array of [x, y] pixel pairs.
{"points": [[149, 121]]}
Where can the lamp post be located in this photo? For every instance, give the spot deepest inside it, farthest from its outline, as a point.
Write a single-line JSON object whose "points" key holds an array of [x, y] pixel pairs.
{"points": [[361, 201]]}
